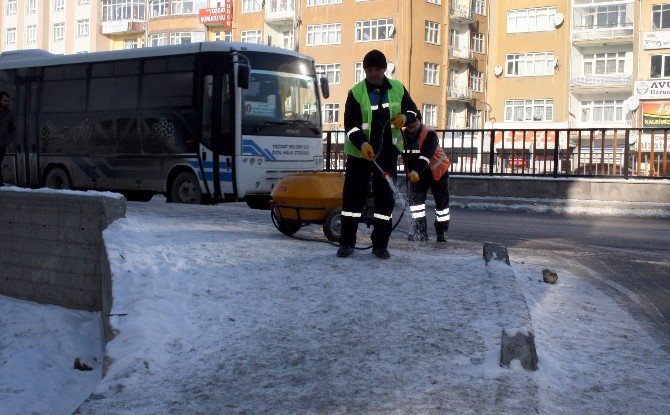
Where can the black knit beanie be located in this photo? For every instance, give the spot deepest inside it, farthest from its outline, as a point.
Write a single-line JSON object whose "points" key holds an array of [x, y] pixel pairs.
{"points": [[374, 59]]}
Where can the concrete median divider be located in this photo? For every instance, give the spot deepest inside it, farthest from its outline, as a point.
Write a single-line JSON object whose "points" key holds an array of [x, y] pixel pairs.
{"points": [[51, 247]]}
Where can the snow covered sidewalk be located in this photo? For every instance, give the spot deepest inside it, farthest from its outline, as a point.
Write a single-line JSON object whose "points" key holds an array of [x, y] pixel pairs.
{"points": [[219, 313]]}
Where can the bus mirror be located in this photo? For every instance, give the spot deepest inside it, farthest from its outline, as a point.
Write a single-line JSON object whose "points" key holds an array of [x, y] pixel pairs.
{"points": [[243, 75], [325, 89]]}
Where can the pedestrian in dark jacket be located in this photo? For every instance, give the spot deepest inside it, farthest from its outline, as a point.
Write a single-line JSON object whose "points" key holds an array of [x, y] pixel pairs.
{"points": [[428, 169], [7, 127], [376, 110]]}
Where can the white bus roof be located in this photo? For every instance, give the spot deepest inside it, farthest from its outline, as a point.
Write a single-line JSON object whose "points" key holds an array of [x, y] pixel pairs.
{"points": [[36, 57]]}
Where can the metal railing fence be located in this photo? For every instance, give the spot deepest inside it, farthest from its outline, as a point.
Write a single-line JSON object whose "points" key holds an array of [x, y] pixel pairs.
{"points": [[565, 152]]}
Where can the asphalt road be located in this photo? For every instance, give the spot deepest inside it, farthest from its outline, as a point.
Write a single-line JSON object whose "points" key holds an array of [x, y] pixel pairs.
{"points": [[630, 257]]}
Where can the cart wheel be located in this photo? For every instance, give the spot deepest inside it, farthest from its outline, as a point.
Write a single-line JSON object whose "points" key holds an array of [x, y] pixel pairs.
{"points": [[288, 227], [332, 225]]}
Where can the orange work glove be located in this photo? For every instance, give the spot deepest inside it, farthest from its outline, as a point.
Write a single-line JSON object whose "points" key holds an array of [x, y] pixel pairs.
{"points": [[399, 120], [368, 152], [413, 177]]}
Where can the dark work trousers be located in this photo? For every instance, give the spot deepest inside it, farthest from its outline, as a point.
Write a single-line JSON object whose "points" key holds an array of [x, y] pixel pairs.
{"points": [[356, 182], [440, 190], [3, 149]]}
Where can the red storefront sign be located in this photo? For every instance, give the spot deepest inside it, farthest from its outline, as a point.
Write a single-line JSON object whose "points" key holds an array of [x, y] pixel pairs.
{"points": [[218, 16]]}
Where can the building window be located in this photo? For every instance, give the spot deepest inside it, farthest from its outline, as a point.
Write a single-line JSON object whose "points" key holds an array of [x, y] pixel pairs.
{"points": [[331, 71], [438, 2], [322, 2], [59, 32], [10, 7], [429, 114], [159, 8], [371, 30], [604, 63], [605, 16], [331, 113], [538, 19], [325, 34], [432, 33], [603, 111], [529, 110], [158, 39], [82, 28], [530, 64], [359, 73], [660, 16], [179, 38], [480, 7], [431, 73], [59, 5], [252, 6], [478, 43], [660, 66], [116, 10], [130, 44], [225, 36], [31, 35], [287, 40], [477, 81], [10, 36], [187, 6], [476, 119], [31, 7], [252, 36]]}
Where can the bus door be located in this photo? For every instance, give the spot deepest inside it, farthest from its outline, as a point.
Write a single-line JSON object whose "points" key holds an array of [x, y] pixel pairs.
{"points": [[217, 144], [26, 166]]}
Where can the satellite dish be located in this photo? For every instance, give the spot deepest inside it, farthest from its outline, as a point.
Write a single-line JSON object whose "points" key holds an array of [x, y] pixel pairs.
{"points": [[391, 31], [497, 70], [632, 103], [558, 19], [390, 67]]}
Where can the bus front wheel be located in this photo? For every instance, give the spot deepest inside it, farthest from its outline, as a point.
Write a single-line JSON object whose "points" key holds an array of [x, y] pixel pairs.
{"points": [[57, 178], [185, 189]]}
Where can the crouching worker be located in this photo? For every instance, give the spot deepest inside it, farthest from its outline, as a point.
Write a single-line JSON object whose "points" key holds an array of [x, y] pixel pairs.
{"points": [[428, 169]]}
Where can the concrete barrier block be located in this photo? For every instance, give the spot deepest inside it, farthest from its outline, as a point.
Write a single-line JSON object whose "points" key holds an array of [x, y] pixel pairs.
{"points": [[518, 345], [495, 251]]}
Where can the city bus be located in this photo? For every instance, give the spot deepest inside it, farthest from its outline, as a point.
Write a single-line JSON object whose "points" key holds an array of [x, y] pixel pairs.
{"points": [[200, 122]]}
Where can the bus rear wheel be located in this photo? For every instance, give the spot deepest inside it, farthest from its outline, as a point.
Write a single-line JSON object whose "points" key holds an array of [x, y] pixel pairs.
{"points": [[57, 178], [185, 189]]}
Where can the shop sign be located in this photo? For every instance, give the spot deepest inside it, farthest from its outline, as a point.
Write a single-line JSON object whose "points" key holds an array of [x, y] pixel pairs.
{"points": [[652, 89], [659, 139], [526, 138], [656, 40], [218, 16], [656, 114]]}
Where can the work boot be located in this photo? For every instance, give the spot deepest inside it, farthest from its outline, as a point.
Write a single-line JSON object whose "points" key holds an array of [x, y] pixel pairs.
{"points": [[417, 237], [441, 237], [345, 251], [382, 253]]}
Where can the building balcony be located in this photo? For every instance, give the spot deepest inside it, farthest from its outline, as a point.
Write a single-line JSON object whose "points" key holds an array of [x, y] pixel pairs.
{"points": [[595, 83], [459, 93], [461, 54], [117, 27], [461, 13], [279, 12], [594, 34]]}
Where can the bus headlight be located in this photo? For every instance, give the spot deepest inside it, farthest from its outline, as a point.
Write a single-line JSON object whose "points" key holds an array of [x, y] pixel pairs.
{"points": [[252, 161], [260, 161]]}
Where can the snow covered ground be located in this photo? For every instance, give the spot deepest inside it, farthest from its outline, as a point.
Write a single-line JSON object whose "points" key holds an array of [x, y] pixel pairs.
{"points": [[219, 313]]}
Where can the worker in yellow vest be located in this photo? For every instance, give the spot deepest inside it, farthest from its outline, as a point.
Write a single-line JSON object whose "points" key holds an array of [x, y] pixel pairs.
{"points": [[376, 110], [428, 168]]}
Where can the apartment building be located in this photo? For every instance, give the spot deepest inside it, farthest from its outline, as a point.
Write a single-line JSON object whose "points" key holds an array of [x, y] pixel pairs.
{"points": [[58, 26]]}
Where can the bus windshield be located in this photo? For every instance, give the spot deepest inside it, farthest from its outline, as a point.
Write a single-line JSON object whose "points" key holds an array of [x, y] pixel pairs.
{"points": [[281, 101]]}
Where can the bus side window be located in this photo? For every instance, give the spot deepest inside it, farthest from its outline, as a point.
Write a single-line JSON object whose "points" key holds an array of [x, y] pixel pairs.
{"points": [[208, 90]]}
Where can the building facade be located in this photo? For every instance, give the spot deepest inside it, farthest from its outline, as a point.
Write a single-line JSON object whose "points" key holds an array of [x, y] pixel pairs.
{"points": [[468, 64]]}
